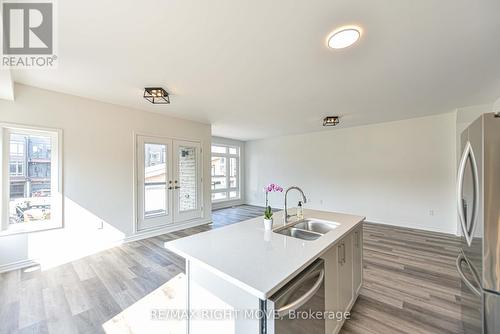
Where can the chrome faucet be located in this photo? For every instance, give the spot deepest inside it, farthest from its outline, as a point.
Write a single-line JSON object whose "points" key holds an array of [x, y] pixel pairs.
{"points": [[304, 200]]}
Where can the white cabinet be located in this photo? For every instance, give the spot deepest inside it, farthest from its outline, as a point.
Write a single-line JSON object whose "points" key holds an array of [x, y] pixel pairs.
{"points": [[331, 258], [343, 275], [357, 261], [169, 179], [345, 272]]}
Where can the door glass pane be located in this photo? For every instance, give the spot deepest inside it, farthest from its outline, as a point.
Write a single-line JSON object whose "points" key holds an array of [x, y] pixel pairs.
{"points": [[233, 150], [219, 173], [233, 172], [234, 194], [219, 149], [219, 196], [30, 186], [155, 180], [187, 178]]}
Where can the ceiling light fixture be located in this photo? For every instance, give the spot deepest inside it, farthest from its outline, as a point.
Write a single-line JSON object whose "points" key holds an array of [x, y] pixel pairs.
{"points": [[156, 95], [344, 37], [331, 120]]}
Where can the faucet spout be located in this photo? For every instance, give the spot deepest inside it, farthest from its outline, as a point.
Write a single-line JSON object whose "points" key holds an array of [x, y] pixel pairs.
{"points": [[304, 200]]}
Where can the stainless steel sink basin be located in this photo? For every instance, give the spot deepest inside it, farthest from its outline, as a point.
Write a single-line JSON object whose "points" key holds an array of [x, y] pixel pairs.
{"points": [[298, 233], [308, 229], [317, 226]]}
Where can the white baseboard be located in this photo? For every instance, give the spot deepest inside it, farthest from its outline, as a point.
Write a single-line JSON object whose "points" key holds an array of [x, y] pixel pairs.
{"points": [[17, 265], [138, 236], [166, 229], [227, 204], [415, 227]]}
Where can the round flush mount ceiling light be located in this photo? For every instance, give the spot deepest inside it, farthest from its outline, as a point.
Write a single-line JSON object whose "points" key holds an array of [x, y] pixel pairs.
{"points": [[344, 37]]}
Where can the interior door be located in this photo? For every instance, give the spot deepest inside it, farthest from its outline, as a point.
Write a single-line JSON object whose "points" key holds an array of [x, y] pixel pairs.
{"points": [[187, 180], [154, 175]]}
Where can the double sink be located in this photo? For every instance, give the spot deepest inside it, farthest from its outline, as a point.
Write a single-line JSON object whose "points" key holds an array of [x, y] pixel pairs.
{"points": [[307, 229]]}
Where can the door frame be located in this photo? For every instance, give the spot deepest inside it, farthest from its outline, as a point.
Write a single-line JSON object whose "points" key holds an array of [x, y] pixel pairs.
{"points": [[135, 168]]}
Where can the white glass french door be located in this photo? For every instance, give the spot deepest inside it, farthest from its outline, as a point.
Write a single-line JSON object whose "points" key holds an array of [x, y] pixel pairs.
{"points": [[187, 180], [168, 182], [154, 175]]}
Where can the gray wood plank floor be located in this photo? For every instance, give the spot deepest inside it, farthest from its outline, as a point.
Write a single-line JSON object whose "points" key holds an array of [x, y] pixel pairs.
{"points": [[410, 285]]}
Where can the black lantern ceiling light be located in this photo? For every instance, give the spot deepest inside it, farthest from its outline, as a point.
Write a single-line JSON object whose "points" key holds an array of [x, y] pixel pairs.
{"points": [[331, 120], [156, 95]]}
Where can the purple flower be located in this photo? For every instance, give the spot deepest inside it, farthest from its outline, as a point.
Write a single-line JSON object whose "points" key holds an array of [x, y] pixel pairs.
{"points": [[273, 187]]}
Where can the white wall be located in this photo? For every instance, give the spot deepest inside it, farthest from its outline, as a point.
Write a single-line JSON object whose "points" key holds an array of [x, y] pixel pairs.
{"points": [[400, 173], [98, 143], [241, 145]]}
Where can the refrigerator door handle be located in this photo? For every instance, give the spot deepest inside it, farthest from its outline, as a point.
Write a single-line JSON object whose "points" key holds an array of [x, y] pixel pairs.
{"points": [[468, 154], [461, 259]]}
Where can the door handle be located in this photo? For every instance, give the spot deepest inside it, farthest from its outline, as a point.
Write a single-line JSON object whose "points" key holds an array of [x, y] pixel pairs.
{"points": [[468, 153], [356, 240], [283, 311], [460, 259], [339, 253], [460, 188], [343, 252], [465, 207]]}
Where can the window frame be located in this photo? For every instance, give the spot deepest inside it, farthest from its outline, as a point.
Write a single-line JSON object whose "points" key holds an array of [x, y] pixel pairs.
{"points": [[228, 156], [56, 179]]}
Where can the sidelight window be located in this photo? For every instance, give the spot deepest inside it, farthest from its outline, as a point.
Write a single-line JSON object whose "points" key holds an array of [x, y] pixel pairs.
{"points": [[225, 172]]}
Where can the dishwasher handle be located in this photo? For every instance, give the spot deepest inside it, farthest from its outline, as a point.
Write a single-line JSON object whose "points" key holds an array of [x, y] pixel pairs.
{"points": [[283, 311]]}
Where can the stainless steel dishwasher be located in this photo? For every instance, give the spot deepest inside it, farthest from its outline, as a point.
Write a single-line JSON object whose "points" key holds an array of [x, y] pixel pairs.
{"points": [[295, 308]]}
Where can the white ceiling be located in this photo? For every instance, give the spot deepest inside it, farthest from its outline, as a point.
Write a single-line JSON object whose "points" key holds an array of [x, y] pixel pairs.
{"points": [[260, 68]]}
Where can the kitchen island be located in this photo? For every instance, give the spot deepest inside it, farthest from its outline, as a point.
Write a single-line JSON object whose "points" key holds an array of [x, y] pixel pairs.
{"points": [[239, 268]]}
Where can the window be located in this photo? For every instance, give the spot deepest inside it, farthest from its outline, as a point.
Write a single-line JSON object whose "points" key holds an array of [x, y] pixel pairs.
{"points": [[225, 173], [16, 168], [30, 195]]}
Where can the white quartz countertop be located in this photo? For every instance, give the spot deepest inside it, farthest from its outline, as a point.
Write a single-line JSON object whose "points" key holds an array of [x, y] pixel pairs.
{"points": [[260, 261]]}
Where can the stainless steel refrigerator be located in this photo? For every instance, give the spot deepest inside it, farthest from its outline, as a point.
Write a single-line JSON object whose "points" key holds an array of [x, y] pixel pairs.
{"points": [[478, 197]]}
